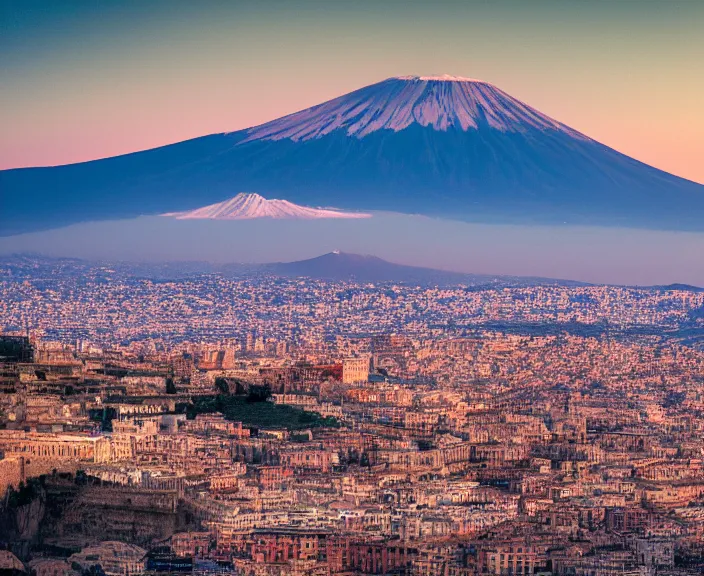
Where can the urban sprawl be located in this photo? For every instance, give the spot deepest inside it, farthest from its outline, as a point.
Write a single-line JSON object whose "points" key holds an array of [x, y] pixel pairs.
{"points": [[261, 426]]}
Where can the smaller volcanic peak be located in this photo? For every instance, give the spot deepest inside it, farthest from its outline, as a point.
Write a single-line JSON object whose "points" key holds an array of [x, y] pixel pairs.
{"points": [[441, 102], [344, 267], [247, 206]]}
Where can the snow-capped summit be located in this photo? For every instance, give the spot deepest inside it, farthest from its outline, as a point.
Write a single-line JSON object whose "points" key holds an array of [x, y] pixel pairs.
{"points": [[248, 206], [441, 78], [442, 102]]}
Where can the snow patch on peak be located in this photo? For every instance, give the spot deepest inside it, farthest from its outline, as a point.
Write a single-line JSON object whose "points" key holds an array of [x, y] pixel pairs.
{"points": [[441, 78], [439, 102], [249, 206]]}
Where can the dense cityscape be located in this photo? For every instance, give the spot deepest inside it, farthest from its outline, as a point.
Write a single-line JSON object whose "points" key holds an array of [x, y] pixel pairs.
{"points": [[260, 425]]}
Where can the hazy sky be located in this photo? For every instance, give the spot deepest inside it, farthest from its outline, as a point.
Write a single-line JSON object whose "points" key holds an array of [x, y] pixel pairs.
{"points": [[82, 80], [592, 254]]}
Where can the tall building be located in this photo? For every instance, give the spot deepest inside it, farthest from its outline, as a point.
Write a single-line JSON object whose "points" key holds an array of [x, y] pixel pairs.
{"points": [[355, 370]]}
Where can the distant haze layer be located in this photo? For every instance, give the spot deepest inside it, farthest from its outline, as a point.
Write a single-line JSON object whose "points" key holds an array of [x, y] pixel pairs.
{"points": [[591, 254]]}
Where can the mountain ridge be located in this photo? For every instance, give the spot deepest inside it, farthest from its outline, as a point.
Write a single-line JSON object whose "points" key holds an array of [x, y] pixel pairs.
{"points": [[366, 268]]}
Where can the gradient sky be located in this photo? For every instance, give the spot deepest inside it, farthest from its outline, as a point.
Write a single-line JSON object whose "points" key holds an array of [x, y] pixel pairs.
{"points": [[83, 80]]}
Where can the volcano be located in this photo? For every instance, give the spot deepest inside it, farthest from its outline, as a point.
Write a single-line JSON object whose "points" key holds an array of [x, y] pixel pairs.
{"points": [[440, 146], [250, 206], [346, 267]]}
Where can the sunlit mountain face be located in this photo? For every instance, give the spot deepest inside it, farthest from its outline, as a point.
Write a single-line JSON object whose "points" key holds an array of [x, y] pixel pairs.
{"points": [[433, 145]]}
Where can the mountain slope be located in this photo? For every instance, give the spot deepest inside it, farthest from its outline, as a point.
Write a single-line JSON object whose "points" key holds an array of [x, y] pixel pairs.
{"points": [[249, 206], [438, 146]]}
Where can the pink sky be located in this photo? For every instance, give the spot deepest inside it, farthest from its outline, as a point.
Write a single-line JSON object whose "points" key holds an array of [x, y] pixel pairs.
{"points": [[630, 79]]}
